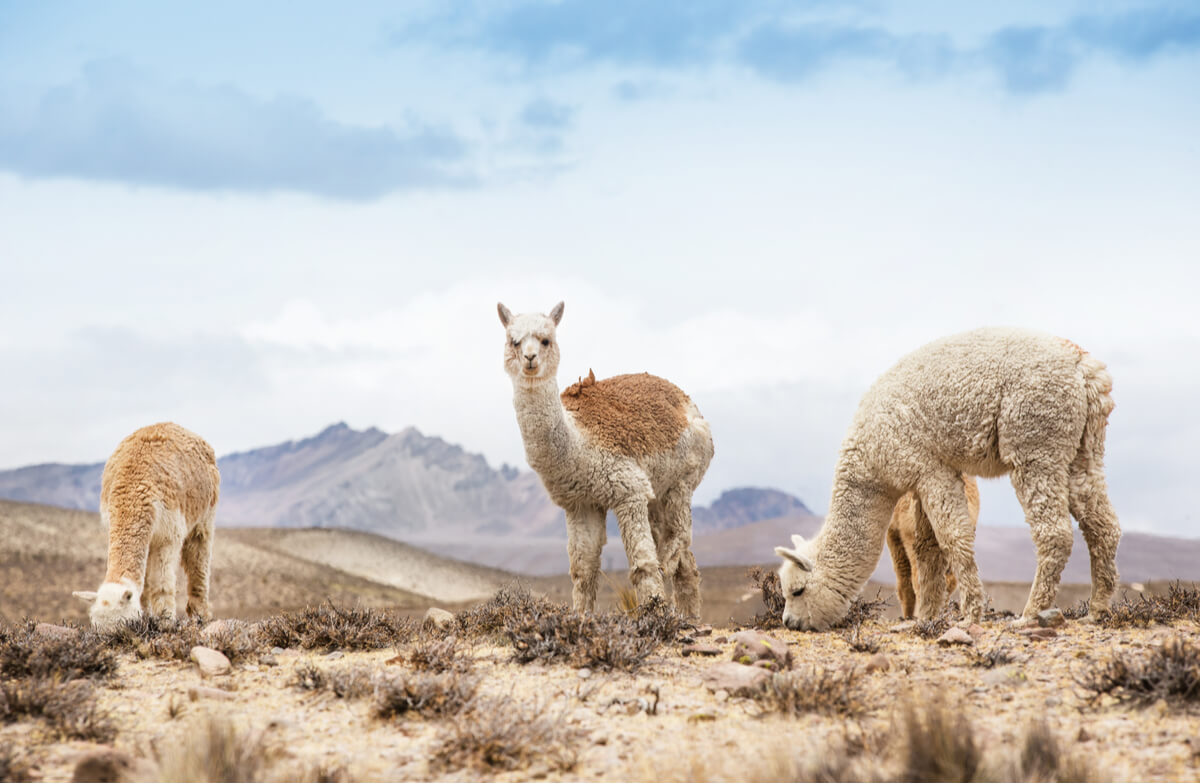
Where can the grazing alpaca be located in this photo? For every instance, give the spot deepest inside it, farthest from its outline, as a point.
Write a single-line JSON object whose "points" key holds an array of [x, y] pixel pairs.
{"points": [[634, 444], [158, 497], [910, 533], [990, 402]]}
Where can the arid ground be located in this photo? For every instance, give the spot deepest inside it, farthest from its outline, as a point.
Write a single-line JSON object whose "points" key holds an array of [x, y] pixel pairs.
{"points": [[517, 688]]}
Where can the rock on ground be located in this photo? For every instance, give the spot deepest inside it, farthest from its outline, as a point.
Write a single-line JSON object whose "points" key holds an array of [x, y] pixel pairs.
{"points": [[751, 647], [211, 662]]}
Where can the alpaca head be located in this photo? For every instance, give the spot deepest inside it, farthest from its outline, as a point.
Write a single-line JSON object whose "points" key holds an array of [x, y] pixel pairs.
{"points": [[113, 603], [530, 345], [809, 603]]}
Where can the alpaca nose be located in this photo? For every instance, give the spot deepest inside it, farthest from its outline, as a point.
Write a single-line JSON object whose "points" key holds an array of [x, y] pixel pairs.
{"points": [[530, 357]]}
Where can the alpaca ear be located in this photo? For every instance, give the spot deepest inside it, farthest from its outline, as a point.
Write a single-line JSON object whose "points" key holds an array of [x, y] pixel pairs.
{"points": [[87, 596], [505, 314], [795, 558], [556, 313]]}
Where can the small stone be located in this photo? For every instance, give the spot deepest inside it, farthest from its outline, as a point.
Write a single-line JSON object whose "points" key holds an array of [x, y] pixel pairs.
{"points": [[211, 662], [334, 656], [55, 632], [733, 678], [903, 626], [197, 693], [721, 695], [268, 660], [878, 663], [720, 640], [976, 631], [955, 636], [1051, 618], [703, 631], [438, 618], [701, 650], [1053, 702], [277, 650], [584, 673], [1038, 633], [1084, 736], [751, 647]]}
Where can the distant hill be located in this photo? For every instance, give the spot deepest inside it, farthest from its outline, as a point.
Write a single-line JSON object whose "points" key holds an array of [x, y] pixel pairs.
{"points": [[407, 486]]}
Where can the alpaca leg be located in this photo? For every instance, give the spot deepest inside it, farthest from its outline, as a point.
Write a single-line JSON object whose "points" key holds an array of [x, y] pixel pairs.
{"points": [[585, 541], [903, 569], [944, 502], [929, 566], [634, 521], [197, 557], [158, 596], [676, 557], [662, 542], [1042, 491], [1089, 504]]}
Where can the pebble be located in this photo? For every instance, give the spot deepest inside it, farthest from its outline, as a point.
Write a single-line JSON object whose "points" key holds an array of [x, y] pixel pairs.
{"points": [[903, 626], [1053, 702], [1051, 618], [1038, 633], [720, 640], [277, 650], [268, 660], [721, 695], [976, 631], [584, 673], [334, 656], [438, 618], [955, 636], [211, 662], [755, 647], [733, 678], [703, 631]]}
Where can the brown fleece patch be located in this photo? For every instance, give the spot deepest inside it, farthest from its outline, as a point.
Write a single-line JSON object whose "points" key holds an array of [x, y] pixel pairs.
{"points": [[162, 462], [636, 414], [902, 532]]}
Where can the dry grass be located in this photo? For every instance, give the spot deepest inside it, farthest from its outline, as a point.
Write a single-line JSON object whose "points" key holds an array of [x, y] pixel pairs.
{"points": [[862, 610], [491, 618], [154, 637], [16, 765], [1178, 604], [768, 585], [27, 654], [68, 708], [1170, 672], [345, 683], [499, 734], [819, 690], [431, 654], [424, 694], [329, 628], [995, 656]]}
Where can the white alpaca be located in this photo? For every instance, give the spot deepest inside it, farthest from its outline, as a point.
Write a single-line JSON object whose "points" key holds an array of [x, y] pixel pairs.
{"points": [[634, 444], [158, 497], [987, 403]]}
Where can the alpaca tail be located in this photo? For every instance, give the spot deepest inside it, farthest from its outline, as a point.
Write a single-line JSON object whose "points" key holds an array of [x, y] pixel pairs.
{"points": [[1097, 384]]}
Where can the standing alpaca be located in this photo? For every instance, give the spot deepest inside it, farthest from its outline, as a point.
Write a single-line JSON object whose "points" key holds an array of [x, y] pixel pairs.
{"points": [[158, 497], [990, 402], [634, 444], [909, 533]]}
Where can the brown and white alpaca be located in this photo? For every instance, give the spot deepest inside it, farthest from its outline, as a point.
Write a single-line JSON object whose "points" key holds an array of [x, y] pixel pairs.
{"points": [[914, 546], [158, 497], [635, 444]]}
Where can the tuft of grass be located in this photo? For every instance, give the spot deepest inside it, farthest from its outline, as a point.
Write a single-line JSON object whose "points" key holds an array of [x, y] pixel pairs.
{"points": [[995, 656], [155, 637], [68, 708], [1045, 758], [607, 641], [213, 748], [937, 745], [936, 627], [491, 618], [657, 620], [331, 628], [1170, 672], [501, 735], [27, 654], [769, 586], [422, 693], [819, 690], [862, 610], [1179, 604], [431, 654], [16, 765], [345, 683], [862, 643]]}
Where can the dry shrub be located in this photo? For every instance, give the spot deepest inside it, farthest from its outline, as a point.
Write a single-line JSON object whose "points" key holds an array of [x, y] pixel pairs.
{"points": [[345, 683], [657, 620], [1179, 604], [936, 627], [155, 637], [422, 693], [68, 708], [1170, 672], [213, 748], [772, 595], [499, 734], [26, 654], [331, 628], [1044, 758], [862, 643], [607, 641], [994, 656], [15, 764], [431, 654], [819, 690], [491, 618], [862, 610]]}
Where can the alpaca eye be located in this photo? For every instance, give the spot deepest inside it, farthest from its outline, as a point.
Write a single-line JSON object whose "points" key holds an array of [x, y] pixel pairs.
{"points": [[516, 343], [797, 592], [545, 342]]}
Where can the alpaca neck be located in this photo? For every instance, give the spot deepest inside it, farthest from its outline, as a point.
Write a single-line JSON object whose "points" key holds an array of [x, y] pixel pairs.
{"points": [[851, 540], [129, 544], [550, 438]]}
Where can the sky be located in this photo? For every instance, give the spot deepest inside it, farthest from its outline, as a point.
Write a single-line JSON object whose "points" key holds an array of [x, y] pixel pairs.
{"points": [[257, 219]]}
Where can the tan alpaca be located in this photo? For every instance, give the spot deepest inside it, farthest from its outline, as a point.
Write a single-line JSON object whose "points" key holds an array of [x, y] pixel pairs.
{"points": [[989, 402], [158, 497], [634, 444], [910, 532]]}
